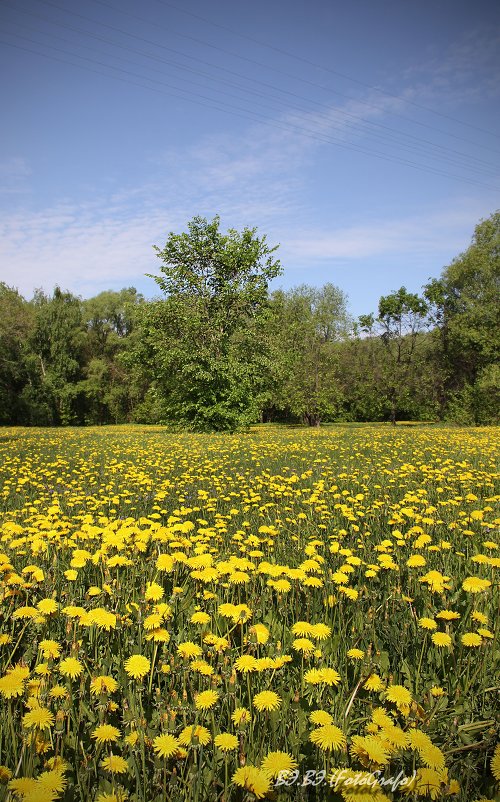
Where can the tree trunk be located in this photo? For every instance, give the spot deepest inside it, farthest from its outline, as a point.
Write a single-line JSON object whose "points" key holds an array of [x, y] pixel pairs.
{"points": [[312, 419]]}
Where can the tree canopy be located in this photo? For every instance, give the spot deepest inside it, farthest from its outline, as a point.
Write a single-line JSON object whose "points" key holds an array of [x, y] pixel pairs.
{"points": [[219, 349]]}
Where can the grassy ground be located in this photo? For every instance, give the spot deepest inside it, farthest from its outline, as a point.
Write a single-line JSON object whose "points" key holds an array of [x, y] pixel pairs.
{"points": [[310, 600]]}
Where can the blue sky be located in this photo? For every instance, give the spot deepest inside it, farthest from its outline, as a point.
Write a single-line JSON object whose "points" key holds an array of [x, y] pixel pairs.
{"points": [[363, 136]]}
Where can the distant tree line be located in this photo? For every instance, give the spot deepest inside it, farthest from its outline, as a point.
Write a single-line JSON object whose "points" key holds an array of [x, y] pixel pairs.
{"points": [[218, 351]]}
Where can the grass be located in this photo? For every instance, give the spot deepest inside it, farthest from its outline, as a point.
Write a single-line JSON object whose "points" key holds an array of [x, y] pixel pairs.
{"points": [[316, 566]]}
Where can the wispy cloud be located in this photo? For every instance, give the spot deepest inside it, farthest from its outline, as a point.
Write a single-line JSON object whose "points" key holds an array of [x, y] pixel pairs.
{"points": [[257, 179]]}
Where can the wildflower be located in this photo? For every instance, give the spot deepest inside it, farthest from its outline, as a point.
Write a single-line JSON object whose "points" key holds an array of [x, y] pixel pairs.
{"points": [[260, 632], [105, 733], [356, 654], [303, 645], [320, 717], [194, 734], [471, 639], [373, 683], [165, 745], [448, 615], [328, 736], [39, 718], [50, 648], [226, 742], [474, 584], [427, 623], [137, 666], [245, 663], [368, 750], [329, 676], [267, 700], [47, 606], [277, 762], [58, 692], [200, 618], [206, 700], [71, 667], [240, 716], [398, 694], [320, 631], [441, 639], [252, 779], [103, 684], [115, 764], [189, 650], [154, 592]]}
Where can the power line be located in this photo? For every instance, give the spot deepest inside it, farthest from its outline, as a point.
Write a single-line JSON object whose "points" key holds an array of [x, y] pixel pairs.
{"points": [[320, 66], [249, 60], [391, 135], [298, 77], [238, 111]]}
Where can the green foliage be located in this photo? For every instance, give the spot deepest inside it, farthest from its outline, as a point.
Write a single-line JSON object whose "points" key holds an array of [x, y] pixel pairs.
{"points": [[307, 323], [401, 317], [199, 342], [466, 313], [217, 351]]}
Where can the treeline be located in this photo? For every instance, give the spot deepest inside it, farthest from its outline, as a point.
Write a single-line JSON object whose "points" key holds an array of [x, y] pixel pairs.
{"points": [[218, 351]]}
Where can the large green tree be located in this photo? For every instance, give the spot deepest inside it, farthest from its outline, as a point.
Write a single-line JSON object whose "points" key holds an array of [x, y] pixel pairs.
{"points": [[466, 313], [402, 318], [16, 325], [199, 341], [308, 321]]}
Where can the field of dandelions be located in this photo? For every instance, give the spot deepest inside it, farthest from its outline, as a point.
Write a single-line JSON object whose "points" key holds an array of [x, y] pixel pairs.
{"points": [[282, 614]]}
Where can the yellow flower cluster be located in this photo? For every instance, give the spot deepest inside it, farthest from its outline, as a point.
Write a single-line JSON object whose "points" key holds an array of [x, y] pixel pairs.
{"points": [[213, 617]]}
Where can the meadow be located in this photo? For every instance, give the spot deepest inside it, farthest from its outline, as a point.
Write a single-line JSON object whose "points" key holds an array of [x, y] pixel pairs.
{"points": [[282, 614]]}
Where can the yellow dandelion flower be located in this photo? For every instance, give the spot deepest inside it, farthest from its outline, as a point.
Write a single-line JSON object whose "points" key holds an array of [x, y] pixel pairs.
{"points": [[165, 745], [226, 742], [39, 718], [252, 779], [115, 764], [320, 718], [194, 734], [471, 639], [277, 762], [328, 736], [105, 733], [266, 700], [474, 584], [206, 700], [188, 650], [240, 716], [70, 667], [137, 666], [441, 639]]}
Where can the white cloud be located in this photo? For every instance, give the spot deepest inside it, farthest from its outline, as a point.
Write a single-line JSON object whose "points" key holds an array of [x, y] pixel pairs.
{"points": [[436, 232]]}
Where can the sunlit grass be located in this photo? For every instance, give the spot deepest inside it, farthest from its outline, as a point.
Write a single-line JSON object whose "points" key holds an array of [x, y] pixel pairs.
{"points": [[182, 614]]}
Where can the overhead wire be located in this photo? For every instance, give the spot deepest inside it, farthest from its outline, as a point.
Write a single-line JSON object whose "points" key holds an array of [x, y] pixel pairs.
{"points": [[288, 125], [388, 131], [390, 137], [228, 108], [319, 66], [296, 77]]}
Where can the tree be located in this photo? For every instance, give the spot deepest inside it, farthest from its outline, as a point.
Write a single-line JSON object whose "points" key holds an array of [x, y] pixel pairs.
{"points": [[56, 359], [195, 342], [308, 322], [402, 317], [466, 313], [108, 385], [16, 324]]}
